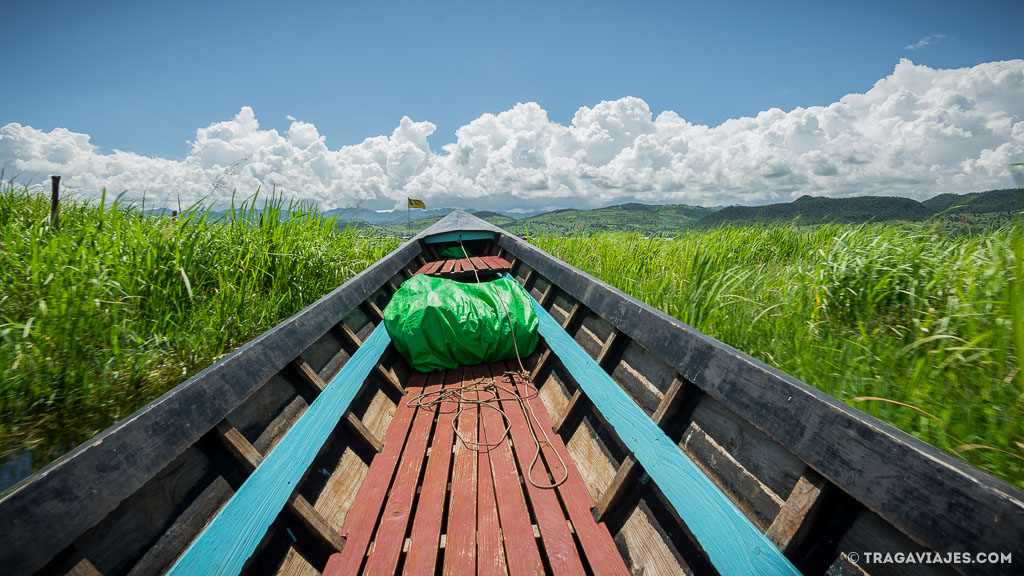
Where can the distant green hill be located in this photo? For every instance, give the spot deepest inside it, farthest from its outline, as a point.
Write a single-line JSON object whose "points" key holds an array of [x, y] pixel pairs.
{"points": [[810, 211], [1010, 201], [965, 211], [655, 220]]}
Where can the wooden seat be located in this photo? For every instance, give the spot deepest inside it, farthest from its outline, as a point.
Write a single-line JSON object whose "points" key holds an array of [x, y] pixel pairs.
{"points": [[463, 267], [489, 518]]}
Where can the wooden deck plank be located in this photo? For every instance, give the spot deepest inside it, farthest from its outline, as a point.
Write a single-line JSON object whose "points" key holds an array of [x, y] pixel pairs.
{"points": [[434, 267], [460, 542], [426, 526], [232, 536], [734, 545], [597, 543], [559, 547], [520, 546], [489, 541], [362, 520], [478, 263], [449, 265], [392, 527], [497, 263]]}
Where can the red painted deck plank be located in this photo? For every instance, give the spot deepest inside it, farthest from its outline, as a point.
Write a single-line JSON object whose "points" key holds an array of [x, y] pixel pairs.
{"points": [[387, 544], [460, 542], [598, 546], [449, 265], [559, 547], [362, 520], [497, 263], [426, 525], [435, 266], [520, 545], [490, 548], [423, 269], [478, 263]]}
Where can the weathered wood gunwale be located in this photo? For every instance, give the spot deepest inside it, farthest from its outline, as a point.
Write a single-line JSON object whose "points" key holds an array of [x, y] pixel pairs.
{"points": [[820, 479]]}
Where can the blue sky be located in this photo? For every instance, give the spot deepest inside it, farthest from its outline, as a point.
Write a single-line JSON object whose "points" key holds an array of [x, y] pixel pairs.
{"points": [[143, 77]]}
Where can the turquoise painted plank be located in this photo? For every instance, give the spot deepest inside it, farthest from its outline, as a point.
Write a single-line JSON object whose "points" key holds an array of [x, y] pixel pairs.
{"points": [[455, 236], [733, 544], [227, 542]]}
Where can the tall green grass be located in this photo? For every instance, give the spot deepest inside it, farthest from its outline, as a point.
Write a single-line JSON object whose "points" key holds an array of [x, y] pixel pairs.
{"points": [[116, 308], [908, 324]]}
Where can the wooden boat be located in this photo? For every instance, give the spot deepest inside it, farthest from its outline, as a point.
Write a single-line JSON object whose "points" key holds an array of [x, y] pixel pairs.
{"points": [[301, 452]]}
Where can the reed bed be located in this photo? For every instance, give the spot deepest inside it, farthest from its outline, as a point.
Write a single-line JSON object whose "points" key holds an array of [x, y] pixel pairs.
{"points": [[911, 325], [100, 318]]}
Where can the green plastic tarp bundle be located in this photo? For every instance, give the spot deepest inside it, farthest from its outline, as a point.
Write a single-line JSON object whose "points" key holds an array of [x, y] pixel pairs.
{"points": [[453, 251], [440, 324]]}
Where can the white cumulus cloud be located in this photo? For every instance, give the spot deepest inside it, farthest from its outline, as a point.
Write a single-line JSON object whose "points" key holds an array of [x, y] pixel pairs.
{"points": [[925, 42], [917, 132]]}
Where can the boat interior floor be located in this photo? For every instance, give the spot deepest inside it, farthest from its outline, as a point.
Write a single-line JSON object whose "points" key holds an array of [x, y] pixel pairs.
{"points": [[471, 479]]}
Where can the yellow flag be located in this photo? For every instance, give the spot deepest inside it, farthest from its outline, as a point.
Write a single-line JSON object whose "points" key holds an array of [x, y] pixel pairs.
{"points": [[413, 203]]}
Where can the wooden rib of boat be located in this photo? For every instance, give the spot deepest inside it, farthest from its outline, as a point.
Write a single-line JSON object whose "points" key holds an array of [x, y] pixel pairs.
{"points": [[303, 452]]}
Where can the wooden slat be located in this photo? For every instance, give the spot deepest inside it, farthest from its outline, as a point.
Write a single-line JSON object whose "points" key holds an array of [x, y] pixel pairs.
{"points": [[362, 520], [559, 547], [793, 521], [549, 295], [733, 544], [604, 357], [422, 269], [528, 278], [576, 404], [478, 263], [500, 264], [757, 501], [542, 363], [390, 536], [460, 543], [426, 525], [84, 568], [546, 356], [449, 265], [490, 552], [239, 447], [628, 470], [352, 423], [598, 546], [314, 523], [432, 267], [371, 306], [520, 546], [388, 377], [574, 315]]}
